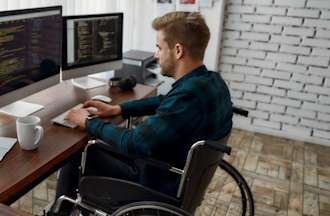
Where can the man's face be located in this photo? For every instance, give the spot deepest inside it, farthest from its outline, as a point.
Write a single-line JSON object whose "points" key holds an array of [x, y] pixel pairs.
{"points": [[165, 56]]}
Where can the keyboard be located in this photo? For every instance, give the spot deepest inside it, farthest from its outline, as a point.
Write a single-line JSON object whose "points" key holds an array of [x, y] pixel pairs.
{"points": [[60, 119]]}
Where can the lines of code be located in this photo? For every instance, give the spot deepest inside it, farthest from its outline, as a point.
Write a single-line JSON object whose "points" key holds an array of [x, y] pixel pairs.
{"points": [[97, 39], [30, 50]]}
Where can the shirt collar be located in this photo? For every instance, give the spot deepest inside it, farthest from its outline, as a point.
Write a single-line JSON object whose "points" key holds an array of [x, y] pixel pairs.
{"points": [[195, 72]]}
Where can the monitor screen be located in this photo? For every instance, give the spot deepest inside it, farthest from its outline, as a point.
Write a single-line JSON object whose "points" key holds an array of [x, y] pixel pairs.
{"points": [[92, 39], [30, 51]]}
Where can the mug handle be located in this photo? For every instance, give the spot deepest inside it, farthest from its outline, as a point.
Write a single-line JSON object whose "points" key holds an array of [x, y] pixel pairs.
{"points": [[40, 134]]}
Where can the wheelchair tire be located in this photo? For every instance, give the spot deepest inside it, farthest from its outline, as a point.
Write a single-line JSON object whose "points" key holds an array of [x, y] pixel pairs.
{"points": [[149, 208], [247, 197]]}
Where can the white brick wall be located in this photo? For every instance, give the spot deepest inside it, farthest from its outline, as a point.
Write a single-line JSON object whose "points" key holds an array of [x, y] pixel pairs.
{"points": [[276, 61]]}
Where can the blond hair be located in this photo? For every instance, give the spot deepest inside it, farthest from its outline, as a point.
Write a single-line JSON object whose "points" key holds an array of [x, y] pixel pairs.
{"points": [[186, 28]]}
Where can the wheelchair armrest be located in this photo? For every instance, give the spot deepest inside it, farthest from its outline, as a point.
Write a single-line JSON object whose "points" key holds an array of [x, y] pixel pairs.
{"points": [[218, 146], [153, 162]]}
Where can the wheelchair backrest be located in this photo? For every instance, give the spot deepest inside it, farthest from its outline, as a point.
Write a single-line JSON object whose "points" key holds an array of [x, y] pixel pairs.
{"points": [[201, 169]]}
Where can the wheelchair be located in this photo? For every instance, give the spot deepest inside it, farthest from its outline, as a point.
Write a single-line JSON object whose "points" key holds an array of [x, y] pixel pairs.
{"points": [[107, 196]]}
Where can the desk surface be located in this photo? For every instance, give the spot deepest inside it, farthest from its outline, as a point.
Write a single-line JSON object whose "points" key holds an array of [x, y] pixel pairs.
{"points": [[20, 170], [8, 211]]}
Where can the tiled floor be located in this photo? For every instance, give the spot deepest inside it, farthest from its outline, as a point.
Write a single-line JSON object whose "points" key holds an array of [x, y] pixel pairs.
{"points": [[287, 177]]}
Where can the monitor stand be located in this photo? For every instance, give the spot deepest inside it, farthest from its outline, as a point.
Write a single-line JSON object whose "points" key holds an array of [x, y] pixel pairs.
{"points": [[21, 108], [87, 83]]}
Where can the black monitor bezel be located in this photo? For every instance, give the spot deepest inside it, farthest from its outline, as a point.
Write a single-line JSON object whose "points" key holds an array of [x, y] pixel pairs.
{"points": [[65, 66], [31, 10]]}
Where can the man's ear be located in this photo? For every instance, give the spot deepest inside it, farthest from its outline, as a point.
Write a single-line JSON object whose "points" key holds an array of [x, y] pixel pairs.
{"points": [[179, 50]]}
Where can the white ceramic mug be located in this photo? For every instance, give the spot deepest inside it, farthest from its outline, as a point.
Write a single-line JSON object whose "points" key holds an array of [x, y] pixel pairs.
{"points": [[29, 132]]}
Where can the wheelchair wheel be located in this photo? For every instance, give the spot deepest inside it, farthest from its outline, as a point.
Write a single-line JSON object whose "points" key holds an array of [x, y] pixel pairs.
{"points": [[242, 202], [149, 208]]}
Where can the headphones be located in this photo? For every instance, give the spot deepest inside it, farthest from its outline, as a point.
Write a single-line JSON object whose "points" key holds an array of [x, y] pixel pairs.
{"points": [[124, 83]]}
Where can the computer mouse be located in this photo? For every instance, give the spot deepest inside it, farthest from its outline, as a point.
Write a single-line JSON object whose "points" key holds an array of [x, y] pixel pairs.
{"points": [[102, 98], [92, 109]]}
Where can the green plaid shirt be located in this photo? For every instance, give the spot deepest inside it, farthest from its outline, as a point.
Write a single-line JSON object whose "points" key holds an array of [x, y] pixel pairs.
{"points": [[198, 107]]}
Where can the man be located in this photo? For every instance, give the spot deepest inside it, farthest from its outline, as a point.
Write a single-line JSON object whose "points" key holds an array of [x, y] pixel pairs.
{"points": [[198, 107]]}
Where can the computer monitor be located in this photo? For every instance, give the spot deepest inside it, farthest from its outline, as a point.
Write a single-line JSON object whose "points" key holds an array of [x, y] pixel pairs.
{"points": [[91, 44], [30, 55]]}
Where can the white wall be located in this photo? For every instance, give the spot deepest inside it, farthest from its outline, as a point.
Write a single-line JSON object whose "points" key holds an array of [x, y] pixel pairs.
{"points": [[275, 57]]}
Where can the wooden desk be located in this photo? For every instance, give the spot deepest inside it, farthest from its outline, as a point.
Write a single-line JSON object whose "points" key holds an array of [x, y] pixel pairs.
{"points": [[21, 170], [8, 211]]}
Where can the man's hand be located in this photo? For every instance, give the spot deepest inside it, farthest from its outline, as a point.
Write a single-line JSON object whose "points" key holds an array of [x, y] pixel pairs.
{"points": [[103, 110], [78, 116]]}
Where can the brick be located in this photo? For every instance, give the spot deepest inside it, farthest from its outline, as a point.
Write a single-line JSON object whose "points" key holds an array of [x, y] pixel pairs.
{"points": [[228, 51], [268, 124], [243, 86], [284, 118], [281, 57], [285, 39], [257, 97], [236, 94], [233, 17], [321, 4], [327, 82], [233, 76], [255, 36], [238, 121], [292, 67], [240, 9], [313, 60], [295, 49], [301, 112], [324, 99], [235, 43], [271, 107], [286, 102], [325, 15], [251, 53], [247, 70], [258, 80], [307, 79], [226, 67], [316, 107], [259, 114], [302, 95], [317, 89], [238, 26], [264, 46], [261, 63], [256, 18], [271, 10], [317, 23], [321, 134], [244, 103], [321, 52], [286, 20], [316, 42], [300, 131], [232, 60], [288, 85], [315, 124], [231, 34], [271, 90], [322, 33], [300, 31], [267, 28], [303, 12], [276, 74], [258, 2], [292, 3], [319, 71], [322, 116], [235, 2]]}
